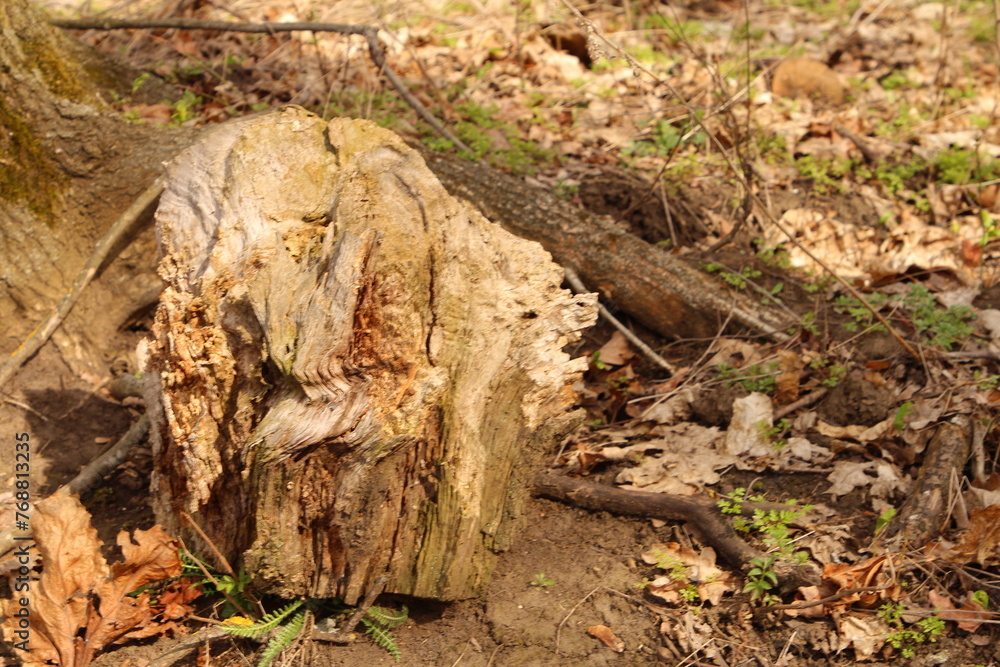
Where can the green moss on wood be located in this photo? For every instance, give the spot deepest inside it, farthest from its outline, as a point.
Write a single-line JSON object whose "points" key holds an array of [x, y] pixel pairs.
{"points": [[27, 174]]}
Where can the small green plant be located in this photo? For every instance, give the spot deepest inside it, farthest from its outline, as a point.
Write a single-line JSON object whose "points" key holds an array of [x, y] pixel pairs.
{"points": [[902, 412], [895, 80], [185, 108], [826, 175], [891, 613], [981, 598], [808, 323], [985, 382], [774, 433], [541, 581], [943, 327], [905, 640], [674, 566], [236, 589], [834, 372], [775, 255], [772, 527], [852, 307], [565, 190], [991, 229], [884, 519], [958, 166], [756, 379], [761, 578], [690, 593], [894, 176], [139, 80], [737, 280], [379, 623], [240, 626]]}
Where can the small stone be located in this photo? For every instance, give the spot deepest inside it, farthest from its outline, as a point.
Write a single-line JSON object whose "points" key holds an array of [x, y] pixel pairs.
{"points": [[805, 77]]}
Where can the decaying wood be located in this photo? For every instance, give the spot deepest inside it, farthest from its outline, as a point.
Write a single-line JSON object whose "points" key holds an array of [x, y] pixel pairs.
{"points": [[927, 509], [351, 371], [660, 290]]}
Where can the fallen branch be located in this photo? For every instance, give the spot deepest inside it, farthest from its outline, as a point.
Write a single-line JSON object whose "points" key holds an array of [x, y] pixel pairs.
{"points": [[699, 511], [926, 511]]}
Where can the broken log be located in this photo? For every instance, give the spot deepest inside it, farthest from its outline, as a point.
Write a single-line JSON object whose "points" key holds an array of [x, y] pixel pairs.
{"points": [[351, 373], [665, 292]]}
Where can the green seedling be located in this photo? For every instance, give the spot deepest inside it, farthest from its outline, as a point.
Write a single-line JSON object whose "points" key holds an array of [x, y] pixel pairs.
{"points": [[774, 434], [884, 519], [541, 581], [773, 529], [756, 379], [905, 640], [737, 280]]}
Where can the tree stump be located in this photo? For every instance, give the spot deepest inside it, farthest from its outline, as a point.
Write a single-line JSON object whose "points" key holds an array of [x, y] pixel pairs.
{"points": [[351, 373]]}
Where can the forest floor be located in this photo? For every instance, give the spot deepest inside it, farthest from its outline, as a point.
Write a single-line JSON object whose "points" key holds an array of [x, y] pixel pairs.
{"points": [[870, 134]]}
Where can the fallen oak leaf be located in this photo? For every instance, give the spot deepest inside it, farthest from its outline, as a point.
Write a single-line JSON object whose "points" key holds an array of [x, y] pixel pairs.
{"points": [[79, 604], [59, 602]]}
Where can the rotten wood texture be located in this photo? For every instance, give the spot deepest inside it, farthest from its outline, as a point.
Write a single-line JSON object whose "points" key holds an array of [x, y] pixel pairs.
{"points": [[702, 513], [927, 509], [662, 291], [352, 372]]}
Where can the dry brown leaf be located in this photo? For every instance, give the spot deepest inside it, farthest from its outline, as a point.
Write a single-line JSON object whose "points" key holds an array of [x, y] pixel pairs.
{"points": [[979, 541], [865, 635], [866, 574], [787, 389], [699, 570], [616, 351], [969, 617], [810, 594], [66, 628], [607, 635]]}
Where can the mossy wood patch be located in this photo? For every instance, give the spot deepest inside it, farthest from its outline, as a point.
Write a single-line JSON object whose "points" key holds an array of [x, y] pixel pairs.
{"points": [[351, 372]]}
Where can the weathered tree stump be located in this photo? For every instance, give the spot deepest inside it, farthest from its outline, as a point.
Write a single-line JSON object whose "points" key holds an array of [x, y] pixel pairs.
{"points": [[351, 372]]}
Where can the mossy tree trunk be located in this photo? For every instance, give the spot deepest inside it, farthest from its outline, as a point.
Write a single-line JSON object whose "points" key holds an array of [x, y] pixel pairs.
{"points": [[67, 169]]}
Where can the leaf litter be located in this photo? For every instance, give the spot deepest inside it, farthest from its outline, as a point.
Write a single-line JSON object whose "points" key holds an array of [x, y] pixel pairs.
{"points": [[79, 605]]}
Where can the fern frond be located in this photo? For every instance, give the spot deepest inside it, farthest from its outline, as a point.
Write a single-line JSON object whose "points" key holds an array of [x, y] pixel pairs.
{"points": [[264, 625], [383, 638], [388, 618], [282, 640]]}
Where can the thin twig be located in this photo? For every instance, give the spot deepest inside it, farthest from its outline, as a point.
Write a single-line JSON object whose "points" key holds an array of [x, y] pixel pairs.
{"points": [[215, 582], [370, 33], [140, 209], [345, 634], [571, 612], [109, 460], [220, 559], [808, 399], [829, 598], [188, 645], [574, 280]]}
